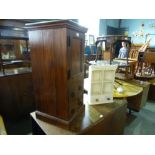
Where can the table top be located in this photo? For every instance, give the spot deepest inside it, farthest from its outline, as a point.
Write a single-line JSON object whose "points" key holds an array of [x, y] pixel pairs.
{"points": [[129, 88], [152, 81], [87, 118], [125, 60]]}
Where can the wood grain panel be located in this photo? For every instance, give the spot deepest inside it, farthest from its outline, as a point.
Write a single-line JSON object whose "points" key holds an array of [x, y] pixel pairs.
{"points": [[76, 56], [43, 70], [60, 49]]}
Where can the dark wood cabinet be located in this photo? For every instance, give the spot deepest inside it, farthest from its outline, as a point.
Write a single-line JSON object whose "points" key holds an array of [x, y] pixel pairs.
{"points": [[16, 95], [16, 90], [57, 53]]}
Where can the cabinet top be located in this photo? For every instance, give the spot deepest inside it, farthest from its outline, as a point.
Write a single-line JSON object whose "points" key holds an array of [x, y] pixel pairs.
{"points": [[56, 24]]}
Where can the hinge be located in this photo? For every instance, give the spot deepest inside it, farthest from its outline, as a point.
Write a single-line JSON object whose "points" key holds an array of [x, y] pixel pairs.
{"points": [[68, 74], [68, 41]]}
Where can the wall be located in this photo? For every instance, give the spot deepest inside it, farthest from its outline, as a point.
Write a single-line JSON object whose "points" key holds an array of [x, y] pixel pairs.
{"points": [[134, 25], [91, 24], [107, 22], [94, 25]]}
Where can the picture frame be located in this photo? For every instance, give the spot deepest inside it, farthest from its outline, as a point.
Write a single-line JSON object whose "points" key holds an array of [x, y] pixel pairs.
{"points": [[91, 40]]}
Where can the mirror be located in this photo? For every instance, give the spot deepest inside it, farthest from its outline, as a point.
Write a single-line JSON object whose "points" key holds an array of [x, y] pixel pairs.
{"points": [[13, 49]]}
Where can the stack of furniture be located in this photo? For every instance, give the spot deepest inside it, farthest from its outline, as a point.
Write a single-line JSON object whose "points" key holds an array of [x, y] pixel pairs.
{"points": [[57, 54]]}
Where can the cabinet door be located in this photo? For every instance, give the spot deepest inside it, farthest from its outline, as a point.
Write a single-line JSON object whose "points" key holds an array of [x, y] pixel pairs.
{"points": [[6, 106], [43, 70], [48, 55], [75, 95], [76, 52], [76, 70]]}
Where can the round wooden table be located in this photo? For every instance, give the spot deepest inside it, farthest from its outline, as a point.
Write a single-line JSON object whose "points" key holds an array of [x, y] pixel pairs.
{"points": [[151, 95], [152, 81], [128, 89]]}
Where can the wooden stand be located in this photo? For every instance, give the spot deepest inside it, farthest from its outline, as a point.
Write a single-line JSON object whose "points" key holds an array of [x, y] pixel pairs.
{"points": [[105, 119]]}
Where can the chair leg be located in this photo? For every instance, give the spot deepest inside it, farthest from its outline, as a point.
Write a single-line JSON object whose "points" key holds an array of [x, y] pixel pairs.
{"points": [[130, 111]]}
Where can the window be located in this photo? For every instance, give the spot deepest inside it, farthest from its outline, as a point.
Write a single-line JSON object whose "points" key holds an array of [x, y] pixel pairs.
{"points": [[92, 25]]}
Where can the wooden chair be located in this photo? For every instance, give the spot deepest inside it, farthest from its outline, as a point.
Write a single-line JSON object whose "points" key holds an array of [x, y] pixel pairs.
{"points": [[149, 60], [146, 65]]}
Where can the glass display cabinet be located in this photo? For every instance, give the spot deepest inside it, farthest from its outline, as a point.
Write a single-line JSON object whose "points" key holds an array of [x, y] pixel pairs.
{"points": [[112, 44], [14, 52], [114, 49]]}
